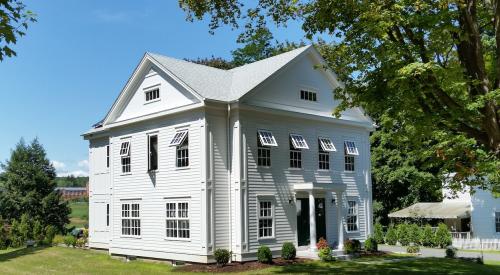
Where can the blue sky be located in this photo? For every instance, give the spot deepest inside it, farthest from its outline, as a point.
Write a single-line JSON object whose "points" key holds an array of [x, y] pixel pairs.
{"points": [[74, 61]]}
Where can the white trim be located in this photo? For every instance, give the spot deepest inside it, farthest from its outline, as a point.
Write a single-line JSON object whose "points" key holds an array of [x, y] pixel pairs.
{"points": [[270, 199], [327, 144], [176, 218], [298, 141], [267, 138], [179, 137], [351, 148], [356, 214]]}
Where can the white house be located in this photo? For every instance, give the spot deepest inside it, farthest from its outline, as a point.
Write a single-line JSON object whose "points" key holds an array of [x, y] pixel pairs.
{"points": [[192, 158]]}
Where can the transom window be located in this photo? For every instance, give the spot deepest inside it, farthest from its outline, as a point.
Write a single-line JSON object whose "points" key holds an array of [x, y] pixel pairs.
{"points": [[350, 148], [177, 220], [497, 221], [263, 154], [323, 159], [308, 95], [179, 138], [125, 157], [327, 145], [152, 94], [266, 216], [131, 222], [266, 138], [152, 152], [352, 216], [298, 141]]}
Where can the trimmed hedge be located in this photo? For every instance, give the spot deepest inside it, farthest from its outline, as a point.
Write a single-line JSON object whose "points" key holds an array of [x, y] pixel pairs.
{"points": [[288, 251], [391, 237], [352, 246], [222, 256], [413, 249], [451, 252], [403, 232], [371, 245], [325, 254], [427, 237], [442, 237], [264, 255]]}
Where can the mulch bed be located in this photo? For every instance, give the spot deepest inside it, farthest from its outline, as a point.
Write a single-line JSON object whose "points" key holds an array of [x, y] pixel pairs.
{"points": [[236, 266]]}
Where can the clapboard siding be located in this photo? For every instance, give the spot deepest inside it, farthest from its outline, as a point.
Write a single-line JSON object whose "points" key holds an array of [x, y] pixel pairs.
{"points": [[484, 206]]}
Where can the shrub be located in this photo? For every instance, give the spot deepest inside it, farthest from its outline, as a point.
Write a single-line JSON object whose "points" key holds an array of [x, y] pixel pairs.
{"points": [[378, 233], [4, 235], [37, 232], [264, 255], [222, 256], [80, 242], [325, 254], [352, 246], [427, 237], [442, 237], [70, 241], [57, 240], [50, 232], [413, 249], [414, 234], [16, 238], [371, 245], [391, 236], [288, 251], [403, 232], [25, 228], [322, 243], [451, 252]]}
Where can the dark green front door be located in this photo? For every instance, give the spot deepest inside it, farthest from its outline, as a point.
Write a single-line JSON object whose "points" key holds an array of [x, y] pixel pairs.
{"points": [[303, 220]]}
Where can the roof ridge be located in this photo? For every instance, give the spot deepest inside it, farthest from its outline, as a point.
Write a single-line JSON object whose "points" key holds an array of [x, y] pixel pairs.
{"points": [[184, 61]]}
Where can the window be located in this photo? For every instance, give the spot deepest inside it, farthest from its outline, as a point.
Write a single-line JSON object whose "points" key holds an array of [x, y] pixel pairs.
{"points": [[125, 156], [351, 148], [327, 145], [266, 138], [352, 216], [263, 154], [183, 154], [348, 159], [107, 214], [107, 156], [298, 141], [153, 153], [497, 221], [177, 220], [152, 94], [265, 219], [308, 95], [178, 138], [295, 157], [131, 222], [323, 158]]}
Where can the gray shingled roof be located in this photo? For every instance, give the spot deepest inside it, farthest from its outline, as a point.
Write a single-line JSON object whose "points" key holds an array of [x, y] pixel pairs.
{"points": [[225, 85], [435, 210]]}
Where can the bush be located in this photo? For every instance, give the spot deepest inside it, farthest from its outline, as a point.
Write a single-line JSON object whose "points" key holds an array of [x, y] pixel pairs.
{"points": [[70, 241], [288, 251], [222, 256], [57, 240], [442, 237], [451, 252], [50, 232], [391, 237], [325, 254], [322, 243], [378, 233], [38, 232], [264, 255], [81, 242], [352, 246], [414, 234], [413, 249], [16, 238], [403, 232], [427, 237], [371, 245]]}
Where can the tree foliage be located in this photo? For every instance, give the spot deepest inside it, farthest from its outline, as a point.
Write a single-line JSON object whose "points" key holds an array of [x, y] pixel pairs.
{"points": [[29, 187], [433, 67], [14, 19]]}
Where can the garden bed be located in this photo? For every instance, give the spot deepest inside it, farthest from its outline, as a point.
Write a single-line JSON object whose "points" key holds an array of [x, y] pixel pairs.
{"points": [[237, 266]]}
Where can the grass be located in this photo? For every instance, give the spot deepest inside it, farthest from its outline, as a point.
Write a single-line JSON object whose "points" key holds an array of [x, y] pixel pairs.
{"points": [[479, 251], [60, 260], [79, 216]]}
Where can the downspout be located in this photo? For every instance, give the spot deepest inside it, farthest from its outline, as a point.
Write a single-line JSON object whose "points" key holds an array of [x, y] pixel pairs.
{"points": [[228, 137]]}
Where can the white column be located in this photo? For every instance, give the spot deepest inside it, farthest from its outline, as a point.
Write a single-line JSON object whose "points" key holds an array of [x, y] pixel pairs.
{"points": [[340, 220], [312, 221]]}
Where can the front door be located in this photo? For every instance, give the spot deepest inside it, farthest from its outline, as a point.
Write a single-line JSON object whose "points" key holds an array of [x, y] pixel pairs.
{"points": [[303, 220]]}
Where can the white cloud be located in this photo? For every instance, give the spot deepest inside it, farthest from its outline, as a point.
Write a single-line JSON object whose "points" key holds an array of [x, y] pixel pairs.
{"points": [[83, 164], [58, 165], [76, 173]]}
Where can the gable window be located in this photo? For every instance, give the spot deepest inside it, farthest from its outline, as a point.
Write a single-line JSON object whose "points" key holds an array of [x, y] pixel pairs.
{"points": [[267, 138], [177, 220], [323, 158], [152, 94], [131, 222], [350, 151], [308, 95], [266, 219], [153, 152], [125, 157], [297, 142], [352, 216], [107, 156], [107, 214], [497, 221], [263, 154]]}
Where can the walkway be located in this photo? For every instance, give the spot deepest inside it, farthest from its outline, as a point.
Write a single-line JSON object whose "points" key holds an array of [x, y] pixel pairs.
{"points": [[440, 253]]}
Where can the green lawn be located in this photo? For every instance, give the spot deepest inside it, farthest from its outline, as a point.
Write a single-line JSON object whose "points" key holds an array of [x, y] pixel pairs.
{"points": [[59, 260], [79, 216]]}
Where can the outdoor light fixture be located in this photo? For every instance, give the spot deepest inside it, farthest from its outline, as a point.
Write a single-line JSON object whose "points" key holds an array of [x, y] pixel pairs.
{"points": [[333, 201]]}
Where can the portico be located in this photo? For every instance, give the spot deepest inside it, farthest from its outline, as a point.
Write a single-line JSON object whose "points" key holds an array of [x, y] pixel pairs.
{"points": [[315, 198]]}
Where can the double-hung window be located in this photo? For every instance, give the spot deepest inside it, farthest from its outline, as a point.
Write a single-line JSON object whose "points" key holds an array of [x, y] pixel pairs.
{"points": [[297, 143], [325, 146], [497, 222], [266, 216], [177, 220], [352, 216], [131, 222], [350, 151], [107, 214], [152, 152], [107, 156], [180, 140], [125, 157]]}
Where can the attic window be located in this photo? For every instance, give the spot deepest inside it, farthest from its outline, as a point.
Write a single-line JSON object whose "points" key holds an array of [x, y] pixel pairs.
{"points": [[152, 94], [298, 142], [308, 95], [267, 138], [350, 148], [327, 145]]}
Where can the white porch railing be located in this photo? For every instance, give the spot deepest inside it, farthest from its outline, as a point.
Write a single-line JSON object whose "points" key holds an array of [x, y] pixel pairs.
{"points": [[477, 244], [461, 235]]}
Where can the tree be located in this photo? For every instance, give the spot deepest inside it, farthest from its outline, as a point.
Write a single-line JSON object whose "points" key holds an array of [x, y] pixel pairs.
{"points": [[14, 19], [433, 66], [30, 187], [216, 62]]}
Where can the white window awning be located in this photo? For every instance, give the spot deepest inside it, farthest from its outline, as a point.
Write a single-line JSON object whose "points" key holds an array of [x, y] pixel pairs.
{"points": [[350, 148], [298, 141], [125, 149], [179, 138], [327, 144], [267, 138]]}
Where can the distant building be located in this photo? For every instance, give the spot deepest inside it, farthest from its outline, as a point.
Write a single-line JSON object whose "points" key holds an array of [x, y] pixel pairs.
{"points": [[73, 192]]}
